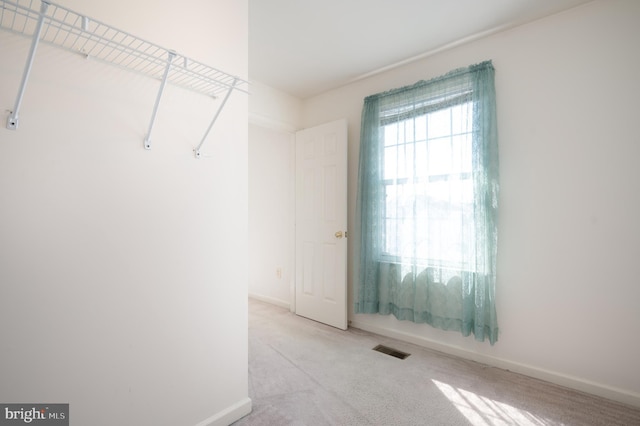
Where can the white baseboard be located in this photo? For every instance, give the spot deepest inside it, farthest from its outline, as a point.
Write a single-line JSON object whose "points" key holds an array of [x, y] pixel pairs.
{"points": [[615, 394], [271, 300], [229, 415]]}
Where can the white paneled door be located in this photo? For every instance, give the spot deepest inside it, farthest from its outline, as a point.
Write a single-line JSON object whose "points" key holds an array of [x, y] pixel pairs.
{"points": [[321, 223]]}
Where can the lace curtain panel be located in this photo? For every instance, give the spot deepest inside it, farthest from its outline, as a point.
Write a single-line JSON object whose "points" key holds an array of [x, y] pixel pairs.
{"points": [[428, 203]]}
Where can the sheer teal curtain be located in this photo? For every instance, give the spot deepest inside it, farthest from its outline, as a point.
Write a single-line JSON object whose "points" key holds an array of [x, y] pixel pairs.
{"points": [[428, 203]]}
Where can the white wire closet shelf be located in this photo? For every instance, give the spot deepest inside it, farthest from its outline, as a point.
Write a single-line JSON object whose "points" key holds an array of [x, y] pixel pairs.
{"points": [[56, 25]]}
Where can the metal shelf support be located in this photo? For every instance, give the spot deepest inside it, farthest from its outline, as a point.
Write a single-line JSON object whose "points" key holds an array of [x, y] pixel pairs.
{"points": [[12, 121], [147, 141], [215, 117]]}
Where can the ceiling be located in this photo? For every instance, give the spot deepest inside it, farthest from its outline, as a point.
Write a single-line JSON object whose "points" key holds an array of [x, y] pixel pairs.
{"points": [[305, 47]]}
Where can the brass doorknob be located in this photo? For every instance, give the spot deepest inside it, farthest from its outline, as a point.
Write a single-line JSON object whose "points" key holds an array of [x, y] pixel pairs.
{"points": [[338, 234]]}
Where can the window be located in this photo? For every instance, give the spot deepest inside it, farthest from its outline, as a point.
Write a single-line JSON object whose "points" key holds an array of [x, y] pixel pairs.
{"points": [[428, 203], [427, 185]]}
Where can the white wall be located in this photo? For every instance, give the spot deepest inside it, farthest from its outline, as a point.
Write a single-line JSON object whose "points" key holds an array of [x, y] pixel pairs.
{"points": [[123, 276], [567, 290], [274, 117], [271, 215]]}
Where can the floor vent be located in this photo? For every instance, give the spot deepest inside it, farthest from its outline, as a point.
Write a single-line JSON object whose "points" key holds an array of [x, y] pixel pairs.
{"points": [[390, 351]]}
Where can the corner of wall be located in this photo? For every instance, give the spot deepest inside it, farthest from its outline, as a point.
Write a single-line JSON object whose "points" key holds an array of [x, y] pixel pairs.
{"points": [[273, 108]]}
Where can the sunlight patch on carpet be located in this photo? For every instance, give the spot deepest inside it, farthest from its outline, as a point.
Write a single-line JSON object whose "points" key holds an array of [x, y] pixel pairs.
{"points": [[483, 411]]}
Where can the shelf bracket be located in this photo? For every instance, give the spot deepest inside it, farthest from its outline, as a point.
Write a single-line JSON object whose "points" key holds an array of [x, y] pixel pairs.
{"points": [[215, 117], [12, 121], [147, 140]]}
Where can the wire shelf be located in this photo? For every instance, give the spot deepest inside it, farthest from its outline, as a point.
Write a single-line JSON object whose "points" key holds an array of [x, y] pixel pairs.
{"points": [[77, 33], [56, 25]]}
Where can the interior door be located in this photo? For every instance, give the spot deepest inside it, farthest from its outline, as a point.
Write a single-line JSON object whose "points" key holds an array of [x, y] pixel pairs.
{"points": [[321, 224]]}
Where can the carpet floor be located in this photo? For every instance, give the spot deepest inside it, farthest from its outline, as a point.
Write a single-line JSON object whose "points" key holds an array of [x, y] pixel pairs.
{"points": [[305, 373]]}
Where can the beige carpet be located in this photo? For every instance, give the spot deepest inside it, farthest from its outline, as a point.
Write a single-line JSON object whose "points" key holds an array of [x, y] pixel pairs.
{"points": [[305, 373]]}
